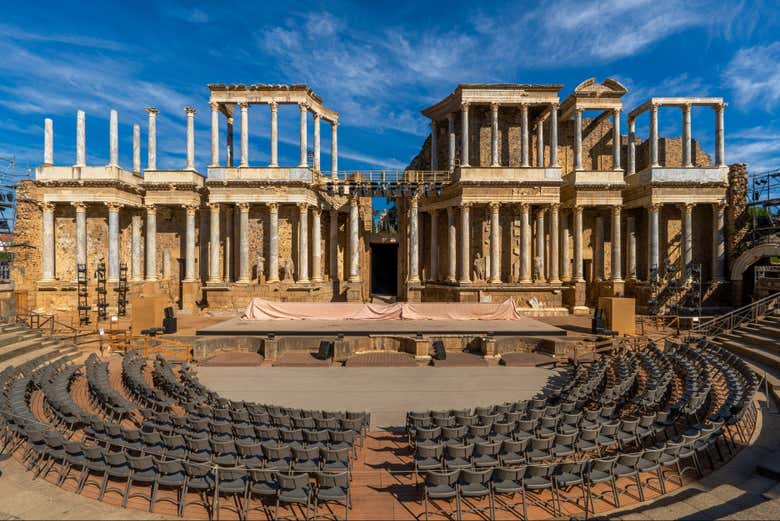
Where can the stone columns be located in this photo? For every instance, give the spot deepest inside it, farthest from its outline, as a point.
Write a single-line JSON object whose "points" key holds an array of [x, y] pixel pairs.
{"points": [[718, 242], [653, 241], [654, 135], [47, 243], [215, 275], [541, 276], [334, 149], [316, 246], [434, 146], [136, 149], [81, 138], [113, 139], [81, 233], [151, 243], [525, 243], [273, 242], [414, 242], [135, 248], [540, 143], [465, 246], [578, 139], [631, 169], [189, 246], [304, 161], [113, 242], [578, 244], [214, 133], [303, 242], [686, 136], [617, 274], [524, 155], [151, 149], [616, 139], [554, 135], [554, 265], [631, 246], [228, 245], [243, 243], [598, 249], [190, 111], [229, 141], [244, 134], [333, 244], [434, 246], [686, 245], [317, 118], [720, 142], [451, 140], [464, 138], [565, 266], [452, 237], [354, 241], [495, 246], [274, 134], [48, 142], [494, 135]]}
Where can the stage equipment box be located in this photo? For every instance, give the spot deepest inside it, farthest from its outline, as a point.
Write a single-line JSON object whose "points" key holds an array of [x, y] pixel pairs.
{"points": [[147, 312], [619, 314]]}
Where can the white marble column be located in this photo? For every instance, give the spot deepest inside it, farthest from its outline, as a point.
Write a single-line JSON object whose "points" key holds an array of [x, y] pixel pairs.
{"points": [[190, 111], [244, 134], [48, 142], [81, 233], [540, 143], [598, 248], [113, 138], [214, 133], [434, 146], [243, 243], [273, 242], [229, 140], [137, 149], [494, 159], [654, 135], [452, 237], [686, 245], [465, 243], [189, 245], [304, 161], [525, 243], [542, 276], [334, 149], [47, 243], [434, 245], [274, 134], [617, 257], [151, 148], [495, 243], [303, 242], [151, 243], [631, 246], [686, 136], [229, 245], [451, 140], [316, 245], [565, 265], [317, 118], [333, 244], [414, 242], [113, 242], [631, 168], [578, 244], [719, 242], [653, 239], [554, 263], [81, 139], [215, 268], [720, 141], [135, 248], [616, 139], [554, 135], [578, 139], [354, 240], [524, 151], [464, 137]]}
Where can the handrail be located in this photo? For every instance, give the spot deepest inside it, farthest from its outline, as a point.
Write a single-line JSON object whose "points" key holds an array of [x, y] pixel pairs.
{"points": [[41, 321], [121, 341], [736, 318]]}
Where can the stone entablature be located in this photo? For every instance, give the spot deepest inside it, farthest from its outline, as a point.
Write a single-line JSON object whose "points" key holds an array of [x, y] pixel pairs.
{"points": [[274, 175], [266, 94]]}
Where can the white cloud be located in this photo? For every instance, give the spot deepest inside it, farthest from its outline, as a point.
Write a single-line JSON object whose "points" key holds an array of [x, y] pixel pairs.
{"points": [[754, 76], [759, 147]]}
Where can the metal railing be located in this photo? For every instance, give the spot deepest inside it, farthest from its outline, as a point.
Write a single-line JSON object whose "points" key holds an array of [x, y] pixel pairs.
{"points": [[388, 177], [173, 350], [48, 323], [736, 318]]}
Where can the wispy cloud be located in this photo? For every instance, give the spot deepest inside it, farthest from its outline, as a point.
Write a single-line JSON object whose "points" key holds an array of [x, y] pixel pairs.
{"points": [[759, 147], [754, 76]]}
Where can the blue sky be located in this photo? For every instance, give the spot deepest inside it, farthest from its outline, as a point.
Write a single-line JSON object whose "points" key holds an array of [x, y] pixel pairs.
{"points": [[377, 64]]}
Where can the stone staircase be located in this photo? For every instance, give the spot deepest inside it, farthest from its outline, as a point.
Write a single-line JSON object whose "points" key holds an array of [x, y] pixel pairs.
{"points": [[19, 343]]}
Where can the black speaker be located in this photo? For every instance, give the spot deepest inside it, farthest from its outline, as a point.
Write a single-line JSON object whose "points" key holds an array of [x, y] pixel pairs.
{"points": [[168, 312], [169, 325]]}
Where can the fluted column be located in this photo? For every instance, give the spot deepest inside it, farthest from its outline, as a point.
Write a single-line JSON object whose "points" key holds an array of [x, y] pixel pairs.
{"points": [[47, 242], [654, 135], [189, 247], [151, 148], [214, 133], [303, 242], [565, 265], [136, 149], [451, 140], [578, 139], [720, 141], [190, 111], [554, 135], [273, 242], [452, 237], [686, 136], [524, 155], [578, 244], [244, 134], [617, 259], [542, 275], [48, 142], [434, 146], [465, 243], [274, 134], [229, 141], [598, 248], [113, 139], [631, 246], [718, 242], [317, 118], [215, 272], [243, 243], [495, 246], [228, 259], [316, 245], [113, 242], [414, 242], [334, 149], [135, 248], [653, 240], [554, 278], [616, 139], [81, 233], [354, 240], [81, 138], [494, 160], [151, 243], [434, 245], [525, 243], [686, 245], [304, 161], [631, 146], [464, 138], [333, 244], [540, 143]]}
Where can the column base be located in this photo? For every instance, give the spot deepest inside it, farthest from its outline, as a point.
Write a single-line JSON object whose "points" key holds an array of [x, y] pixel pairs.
{"points": [[354, 292]]}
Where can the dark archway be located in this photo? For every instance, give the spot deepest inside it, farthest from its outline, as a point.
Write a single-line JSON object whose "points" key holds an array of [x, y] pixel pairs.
{"points": [[384, 269]]}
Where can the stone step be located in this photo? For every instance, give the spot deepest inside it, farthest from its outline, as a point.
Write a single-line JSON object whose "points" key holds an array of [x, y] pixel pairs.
{"points": [[752, 352], [769, 328], [17, 336], [756, 338], [51, 353], [12, 326], [11, 351]]}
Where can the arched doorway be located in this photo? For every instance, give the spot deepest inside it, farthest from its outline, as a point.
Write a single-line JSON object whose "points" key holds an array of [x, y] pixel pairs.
{"points": [[743, 268]]}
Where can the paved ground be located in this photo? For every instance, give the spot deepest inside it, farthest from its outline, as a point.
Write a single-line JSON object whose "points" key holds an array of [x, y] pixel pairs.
{"points": [[387, 392]]}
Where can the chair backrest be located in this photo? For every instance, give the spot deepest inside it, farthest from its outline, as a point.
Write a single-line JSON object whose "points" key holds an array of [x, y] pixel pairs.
{"points": [[487, 448], [197, 470], [565, 439], [327, 479], [629, 460], [428, 451], [541, 471], [460, 451], [468, 476], [169, 467], [331, 455], [292, 481], [141, 463], [435, 478], [509, 474], [306, 453], [542, 443], [514, 446], [263, 475], [277, 452]]}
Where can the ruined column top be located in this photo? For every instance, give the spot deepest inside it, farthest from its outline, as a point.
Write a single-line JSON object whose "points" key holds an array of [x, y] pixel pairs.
{"points": [[227, 95], [499, 93], [676, 102], [590, 95]]}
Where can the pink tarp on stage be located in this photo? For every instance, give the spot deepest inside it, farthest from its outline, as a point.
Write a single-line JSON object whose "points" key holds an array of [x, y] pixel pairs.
{"points": [[260, 309]]}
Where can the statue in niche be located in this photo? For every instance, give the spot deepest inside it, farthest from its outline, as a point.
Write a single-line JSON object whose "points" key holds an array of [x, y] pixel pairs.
{"points": [[384, 224], [515, 264], [260, 268], [538, 268], [289, 269], [479, 267]]}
